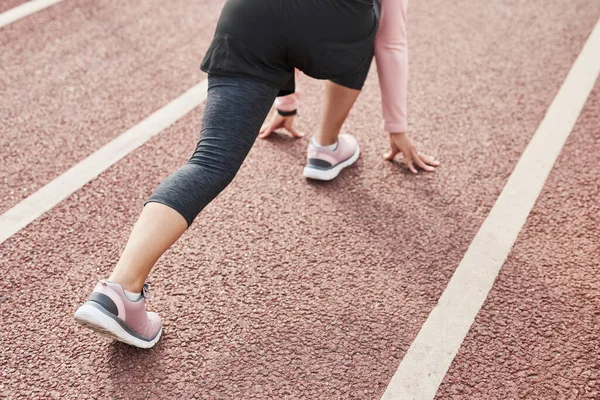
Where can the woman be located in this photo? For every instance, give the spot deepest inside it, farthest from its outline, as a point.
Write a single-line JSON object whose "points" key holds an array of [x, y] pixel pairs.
{"points": [[252, 58]]}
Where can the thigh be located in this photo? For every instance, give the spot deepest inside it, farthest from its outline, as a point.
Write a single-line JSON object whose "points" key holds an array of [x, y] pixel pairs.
{"points": [[249, 42], [235, 110], [335, 40], [355, 79]]}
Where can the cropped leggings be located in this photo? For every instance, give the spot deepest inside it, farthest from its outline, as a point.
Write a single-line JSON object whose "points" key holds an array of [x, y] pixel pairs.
{"points": [[235, 110]]}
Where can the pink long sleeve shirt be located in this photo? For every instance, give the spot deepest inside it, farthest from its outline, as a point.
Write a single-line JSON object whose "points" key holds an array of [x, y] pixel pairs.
{"points": [[391, 56]]}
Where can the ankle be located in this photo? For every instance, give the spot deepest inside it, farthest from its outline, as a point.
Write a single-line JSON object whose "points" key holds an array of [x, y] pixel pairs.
{"points": [[128, 285], [323, 139], [132, 296], [317, 143]]}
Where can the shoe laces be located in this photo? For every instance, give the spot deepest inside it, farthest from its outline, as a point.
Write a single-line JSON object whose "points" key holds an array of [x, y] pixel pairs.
{"points": [[146, 291]]}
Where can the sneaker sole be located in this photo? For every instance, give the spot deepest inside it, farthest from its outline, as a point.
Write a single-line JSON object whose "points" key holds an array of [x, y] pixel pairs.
{"points": [[96, 320], [331, 173]]}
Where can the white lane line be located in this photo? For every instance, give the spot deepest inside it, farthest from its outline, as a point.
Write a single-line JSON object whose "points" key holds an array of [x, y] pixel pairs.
{"points": [[25, 9], [425, 364], [75, 178]]}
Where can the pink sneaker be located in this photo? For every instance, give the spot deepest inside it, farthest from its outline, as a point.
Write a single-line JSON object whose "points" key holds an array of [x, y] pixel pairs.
{"points": [[109, 312], [324, 164]]}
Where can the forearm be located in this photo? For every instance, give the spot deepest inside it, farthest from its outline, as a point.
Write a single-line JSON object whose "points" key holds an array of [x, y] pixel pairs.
{"points": [[391, 55]]}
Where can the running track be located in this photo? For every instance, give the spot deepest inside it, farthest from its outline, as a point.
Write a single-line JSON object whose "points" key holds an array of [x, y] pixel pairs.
{"points": [[287, 289]]}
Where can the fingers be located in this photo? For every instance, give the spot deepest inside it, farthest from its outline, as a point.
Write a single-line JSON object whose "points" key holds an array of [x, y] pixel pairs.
{"points": [[267, 127], [296, 134], [290, 128], [407, 153], [389, 156], [408, 159], [429, 160], [414, 159], [265, 131], [278, 122], [421, 163]]}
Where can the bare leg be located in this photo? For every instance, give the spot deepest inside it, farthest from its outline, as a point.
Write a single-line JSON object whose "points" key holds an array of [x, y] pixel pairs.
{"points": [[155, 231], [338, 102]]}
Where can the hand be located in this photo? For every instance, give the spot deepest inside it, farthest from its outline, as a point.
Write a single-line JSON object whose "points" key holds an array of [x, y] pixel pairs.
{"points": [[401, 143], [277, 122]]}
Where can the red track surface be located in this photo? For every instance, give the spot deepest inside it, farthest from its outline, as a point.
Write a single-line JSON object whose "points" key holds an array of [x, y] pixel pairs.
{"points": [[538, 334], [289, 289], [92, 70]]}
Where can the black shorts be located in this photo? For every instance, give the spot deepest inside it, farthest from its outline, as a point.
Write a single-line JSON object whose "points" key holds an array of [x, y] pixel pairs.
{"points": [[266, 39]]}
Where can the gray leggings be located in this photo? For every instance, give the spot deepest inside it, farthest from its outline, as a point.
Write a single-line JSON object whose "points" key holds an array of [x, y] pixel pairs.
{"points": [[235, 110]]}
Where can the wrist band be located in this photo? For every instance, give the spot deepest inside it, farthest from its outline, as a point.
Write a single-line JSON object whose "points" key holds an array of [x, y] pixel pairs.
{"points": [[287, 113]]}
